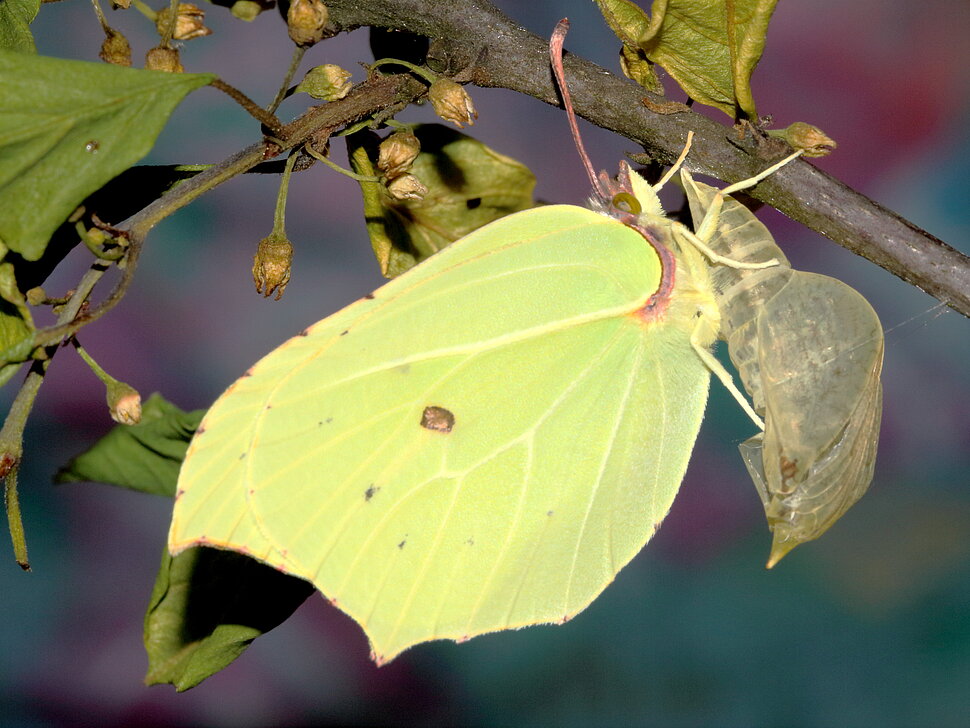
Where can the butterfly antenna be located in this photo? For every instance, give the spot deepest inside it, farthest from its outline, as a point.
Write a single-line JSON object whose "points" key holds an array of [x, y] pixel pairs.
{"points": [[555, 57]]}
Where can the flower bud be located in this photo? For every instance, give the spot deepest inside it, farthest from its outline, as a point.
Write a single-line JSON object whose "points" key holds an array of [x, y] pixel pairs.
{"points": [[189, 22], [163, 59], [246, 10], [115, 48], [123, 4], [124, 403], [396, 154], [271, 265], [327, 82], [36, 296], [95, 237], [452, 103], [406, 187], [305, 21], [800, 135]]}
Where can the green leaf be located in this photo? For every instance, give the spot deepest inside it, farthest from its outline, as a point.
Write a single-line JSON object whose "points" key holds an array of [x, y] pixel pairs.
{"points": [[469, 185], [67, 128], [629, 22], [206, 607], [144, 457], [16, 325], [710, 47], [15, 19], [637, 67]]}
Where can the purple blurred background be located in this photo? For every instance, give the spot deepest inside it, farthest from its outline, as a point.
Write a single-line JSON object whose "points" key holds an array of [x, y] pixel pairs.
{"points": [[869, 626]]}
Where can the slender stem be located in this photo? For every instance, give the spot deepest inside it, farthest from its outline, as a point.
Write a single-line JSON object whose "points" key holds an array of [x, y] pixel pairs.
{"points": [[266, 118], [169, 30], [66, 319], [100, 13], [178, 197], [337, 168], [11, 450], [144, 10], [424, 73], [15, 521], [298, 52], [12, 433], [279, 222], [100, 373], [81, 292]]}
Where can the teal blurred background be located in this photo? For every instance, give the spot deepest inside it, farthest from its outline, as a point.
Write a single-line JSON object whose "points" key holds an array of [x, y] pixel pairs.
{"points": [[869, 626]]}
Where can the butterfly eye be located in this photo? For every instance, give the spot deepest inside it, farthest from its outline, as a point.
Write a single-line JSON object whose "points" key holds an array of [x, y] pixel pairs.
{"points": [[625, 202]]}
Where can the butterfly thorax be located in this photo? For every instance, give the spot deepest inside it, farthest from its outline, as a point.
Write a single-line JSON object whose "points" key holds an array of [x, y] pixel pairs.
{"points": [[685, 296], [693, 302]]}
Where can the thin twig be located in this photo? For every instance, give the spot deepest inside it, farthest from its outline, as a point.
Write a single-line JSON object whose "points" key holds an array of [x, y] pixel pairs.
{"points": [[298, 52], [264, 117]]}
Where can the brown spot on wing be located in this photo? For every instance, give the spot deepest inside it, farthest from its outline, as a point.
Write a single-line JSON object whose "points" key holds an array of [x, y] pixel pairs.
{"points": [[438, 419]]}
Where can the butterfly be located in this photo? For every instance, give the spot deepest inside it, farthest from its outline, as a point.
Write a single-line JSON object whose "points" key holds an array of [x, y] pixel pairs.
{"points": [[486, 440]]}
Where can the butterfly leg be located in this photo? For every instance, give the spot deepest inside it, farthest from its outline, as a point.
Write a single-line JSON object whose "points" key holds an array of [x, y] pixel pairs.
{"points": [[698, 242], [705, 231], [696, 341]]}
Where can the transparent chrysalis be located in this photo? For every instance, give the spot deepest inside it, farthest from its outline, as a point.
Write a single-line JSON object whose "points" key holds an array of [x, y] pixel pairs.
{"points": [[809, 351]]}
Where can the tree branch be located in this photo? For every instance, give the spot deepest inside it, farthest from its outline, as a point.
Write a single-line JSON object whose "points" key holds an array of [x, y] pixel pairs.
{"points": [[376, 94], [496, 52]]}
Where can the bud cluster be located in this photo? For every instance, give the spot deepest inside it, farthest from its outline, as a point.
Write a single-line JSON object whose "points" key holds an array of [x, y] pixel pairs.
{"points": [[395, 156]]}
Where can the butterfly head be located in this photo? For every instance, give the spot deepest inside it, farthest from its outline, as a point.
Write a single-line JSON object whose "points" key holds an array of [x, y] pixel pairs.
{"points": [[629, 198]]}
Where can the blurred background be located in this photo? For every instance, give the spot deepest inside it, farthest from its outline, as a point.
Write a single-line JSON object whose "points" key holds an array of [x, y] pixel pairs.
{"points": [[870, 626]]}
